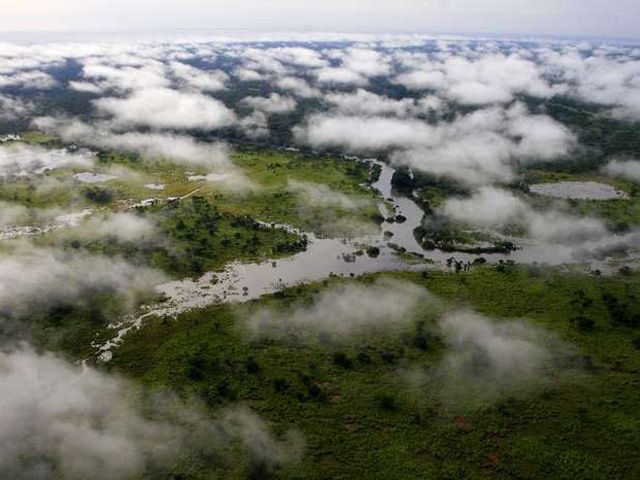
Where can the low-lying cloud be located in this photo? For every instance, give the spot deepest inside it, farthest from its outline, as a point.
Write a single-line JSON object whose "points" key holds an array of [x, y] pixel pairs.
{"points": [[629, 169], [36, 279], [22, 160], [487, 359], [330, 212], [125, 227], [179, 149], [495, 208], [274, 103], [58, 421], [343, 311], [477, 148], [165, 108]]}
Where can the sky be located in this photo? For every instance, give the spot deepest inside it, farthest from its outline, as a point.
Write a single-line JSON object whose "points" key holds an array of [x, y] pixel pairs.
{"points": [[597, 18]]}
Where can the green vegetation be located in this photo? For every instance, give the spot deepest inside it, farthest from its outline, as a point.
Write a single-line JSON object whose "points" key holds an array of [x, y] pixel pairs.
{"points": [[355, 399], [431, 191], [274, 201], [439, 231], [197, 234], [620, 214], [362, 419], [269, 198], [194, 237]]}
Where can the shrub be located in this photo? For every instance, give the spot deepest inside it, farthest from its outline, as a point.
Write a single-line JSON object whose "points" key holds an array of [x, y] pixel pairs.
{"points": [[363, 358], [387, 402], [280, 385], [342, 360], [373, 252], [252, 365], [99, 195], [583, 323]]}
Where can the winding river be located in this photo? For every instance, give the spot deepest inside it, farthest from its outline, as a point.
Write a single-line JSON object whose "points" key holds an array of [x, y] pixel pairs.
{"points": [[324, 257]]}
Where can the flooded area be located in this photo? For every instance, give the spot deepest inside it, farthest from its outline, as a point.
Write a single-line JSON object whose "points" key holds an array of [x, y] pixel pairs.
{"points": [[578, 190], [325, 257], [90, 177], [68, 220]]}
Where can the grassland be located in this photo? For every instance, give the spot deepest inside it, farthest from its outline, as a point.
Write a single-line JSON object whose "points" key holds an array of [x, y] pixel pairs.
{"points": [[362, 419]]}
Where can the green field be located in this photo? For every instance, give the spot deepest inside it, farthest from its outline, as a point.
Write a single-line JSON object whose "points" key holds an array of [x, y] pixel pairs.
{"points": [[361, 418]]}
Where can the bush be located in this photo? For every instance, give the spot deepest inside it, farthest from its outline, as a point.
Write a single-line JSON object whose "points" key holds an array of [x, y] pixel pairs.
{"points": [[280, 385], [252, 365], [342, 360], [373, 252], [363, 358], [99, 195], [583, 323], [388, 357], [196, 368], [387, 402]]}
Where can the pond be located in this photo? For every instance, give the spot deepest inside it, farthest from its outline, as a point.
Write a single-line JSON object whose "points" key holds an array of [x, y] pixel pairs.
{"points": [[578, 190]]}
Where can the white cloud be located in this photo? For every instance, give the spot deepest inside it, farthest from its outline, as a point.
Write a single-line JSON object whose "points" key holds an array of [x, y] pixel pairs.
{"points": [[322, 196], [490, 79], [206, 81], [106, 77], [29, 80], [494, 208], [58, 421], [166, 108], [369, 63], [179, 148], [598, 78], [477, 148], [298, 87], [274, 103], [176, 148], [487, 359], [12, 213], [248, 75], [488, 207], [422, 80], [629, 169], [344, 310], [473, 158], [34, 279], [511, 349], [340, 76], [86, 87], [255, 125], [260, 60], [542, 138], [300, 56], [363, 134], [331, 213], [363, 102], [125, 227], [13, 108], [19, 160]]}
